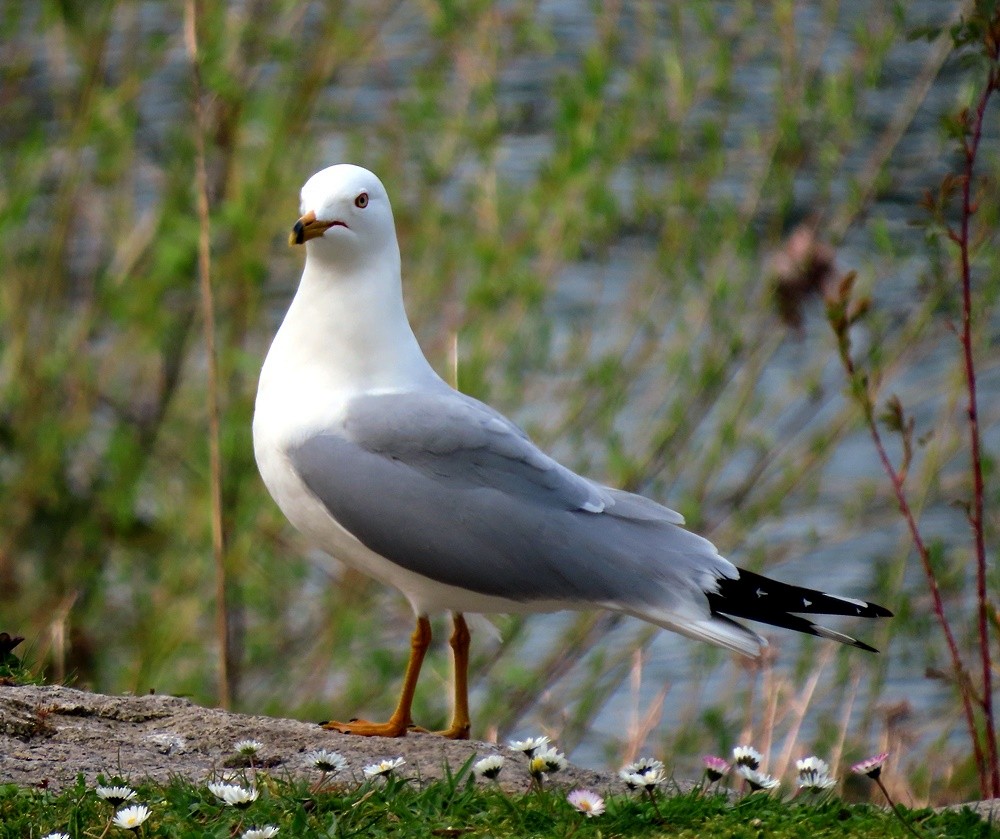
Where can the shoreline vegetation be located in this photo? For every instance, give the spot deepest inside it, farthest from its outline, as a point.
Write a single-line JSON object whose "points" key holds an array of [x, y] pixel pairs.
{"points": [[645, 217]]}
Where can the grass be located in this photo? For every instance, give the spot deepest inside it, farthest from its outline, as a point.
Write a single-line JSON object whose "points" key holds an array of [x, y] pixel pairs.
{"points": [[458, 806]]}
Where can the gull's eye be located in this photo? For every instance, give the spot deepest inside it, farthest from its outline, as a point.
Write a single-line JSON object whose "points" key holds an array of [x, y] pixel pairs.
{"points": [[361, 201]]}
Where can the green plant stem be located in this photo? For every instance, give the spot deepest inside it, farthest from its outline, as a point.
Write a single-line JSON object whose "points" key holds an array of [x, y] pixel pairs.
{"points": [[652, 800], [895, 809], [208, 314]]}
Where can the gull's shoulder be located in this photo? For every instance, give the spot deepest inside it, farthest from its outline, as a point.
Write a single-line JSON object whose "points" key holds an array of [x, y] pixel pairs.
{"points": [[451, 433], [454, 436]]}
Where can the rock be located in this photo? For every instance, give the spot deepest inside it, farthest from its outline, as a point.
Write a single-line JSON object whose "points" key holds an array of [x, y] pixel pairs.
{"points": [[51, 734]]}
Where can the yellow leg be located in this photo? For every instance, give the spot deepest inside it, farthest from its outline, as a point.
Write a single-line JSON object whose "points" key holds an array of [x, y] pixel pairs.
{"points": [[460, 640], [400, 721]]}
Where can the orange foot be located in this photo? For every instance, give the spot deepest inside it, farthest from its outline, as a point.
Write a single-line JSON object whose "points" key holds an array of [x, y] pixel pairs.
{"points": [[455, 732], [363, 728]]}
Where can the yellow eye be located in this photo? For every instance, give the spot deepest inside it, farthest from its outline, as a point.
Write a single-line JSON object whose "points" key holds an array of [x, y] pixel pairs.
{"points": [[361, 201]]}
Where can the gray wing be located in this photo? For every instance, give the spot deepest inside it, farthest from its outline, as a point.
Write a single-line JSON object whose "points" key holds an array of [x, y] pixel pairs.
{"points": [[444, 486]]}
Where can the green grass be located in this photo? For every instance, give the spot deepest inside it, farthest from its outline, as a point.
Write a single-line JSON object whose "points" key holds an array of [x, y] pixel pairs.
{"points": [[458, 806]]}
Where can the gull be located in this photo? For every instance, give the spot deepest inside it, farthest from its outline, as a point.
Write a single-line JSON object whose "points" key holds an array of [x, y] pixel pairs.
{"points": [[378, 461]]}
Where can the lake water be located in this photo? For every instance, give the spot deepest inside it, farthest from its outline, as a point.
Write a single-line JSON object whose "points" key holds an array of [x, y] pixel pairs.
{"points": [[816, 545], [838, 560]]}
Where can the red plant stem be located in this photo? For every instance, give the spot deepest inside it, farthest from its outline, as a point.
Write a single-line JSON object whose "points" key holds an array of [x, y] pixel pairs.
{"points": [[861, 391], [976, 510]]}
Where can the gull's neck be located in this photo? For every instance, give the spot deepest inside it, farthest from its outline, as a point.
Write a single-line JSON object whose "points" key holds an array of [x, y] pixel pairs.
{"points": [[346, 333]]}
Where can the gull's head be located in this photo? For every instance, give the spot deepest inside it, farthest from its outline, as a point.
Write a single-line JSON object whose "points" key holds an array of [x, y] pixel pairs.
{"points": [[345, 214]]}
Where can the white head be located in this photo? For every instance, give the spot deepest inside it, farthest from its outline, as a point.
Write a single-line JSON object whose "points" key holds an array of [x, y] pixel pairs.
{"points": [[346, 216]]}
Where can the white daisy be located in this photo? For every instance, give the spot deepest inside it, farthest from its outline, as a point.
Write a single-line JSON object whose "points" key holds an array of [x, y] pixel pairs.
{"points": [[817, 782], [265, 832], [327, 761], [529, 744], [56, 836], [587, 802], [234, 795], [644, 765], [489, 767], [647, 780], [758, 780], [554, 761], [747, 756], [812, 764], [247, 747], [633, 779], [116, 796], [814, 774], [131, 818], [383, 767]]}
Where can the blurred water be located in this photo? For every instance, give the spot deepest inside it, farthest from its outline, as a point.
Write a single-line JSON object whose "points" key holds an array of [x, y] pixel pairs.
{"points": [[838, 560]]}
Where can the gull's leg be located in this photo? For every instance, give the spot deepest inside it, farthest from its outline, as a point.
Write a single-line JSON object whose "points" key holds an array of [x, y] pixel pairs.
{"points": [[460, 639], [399, 722]]}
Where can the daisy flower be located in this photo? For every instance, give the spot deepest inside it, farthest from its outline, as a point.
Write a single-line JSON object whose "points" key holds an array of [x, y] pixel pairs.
{"points": [[812, 764], [265, 832], [648, 780], [131, 818], [234, 795], [56, 836], [644, 765], [536, 766], [116, 796], [814, 774], [872, 766], [529, 745], [817, 782], [747, 756], [758, 780], [554, 761], [383, 767], [488, 767], [715, 767], [327, 761], [587, 802], [247, 747], [633, 779]]}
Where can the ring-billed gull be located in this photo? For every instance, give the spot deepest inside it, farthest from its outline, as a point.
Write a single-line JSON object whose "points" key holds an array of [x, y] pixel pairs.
{"points": [[378, 461]]}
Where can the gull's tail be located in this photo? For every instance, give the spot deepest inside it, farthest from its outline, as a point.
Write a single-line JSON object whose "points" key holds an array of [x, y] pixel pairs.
{"points": [[758, 598]]}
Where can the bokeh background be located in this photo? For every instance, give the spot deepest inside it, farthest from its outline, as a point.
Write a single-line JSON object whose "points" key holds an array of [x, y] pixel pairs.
{"points": [[616, 222]]}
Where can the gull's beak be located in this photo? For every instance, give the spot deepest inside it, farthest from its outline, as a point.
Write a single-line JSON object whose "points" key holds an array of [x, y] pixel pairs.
{"points": [[308, 227]]}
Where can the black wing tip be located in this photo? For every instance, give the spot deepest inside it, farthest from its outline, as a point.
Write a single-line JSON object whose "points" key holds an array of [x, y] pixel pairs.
{"points": [[852, 608], [759, 593], [757, 598]]}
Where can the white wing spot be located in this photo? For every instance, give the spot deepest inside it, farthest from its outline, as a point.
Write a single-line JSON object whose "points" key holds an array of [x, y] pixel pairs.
{"points": [[806, 603], [853, 601], [760, 592]]}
